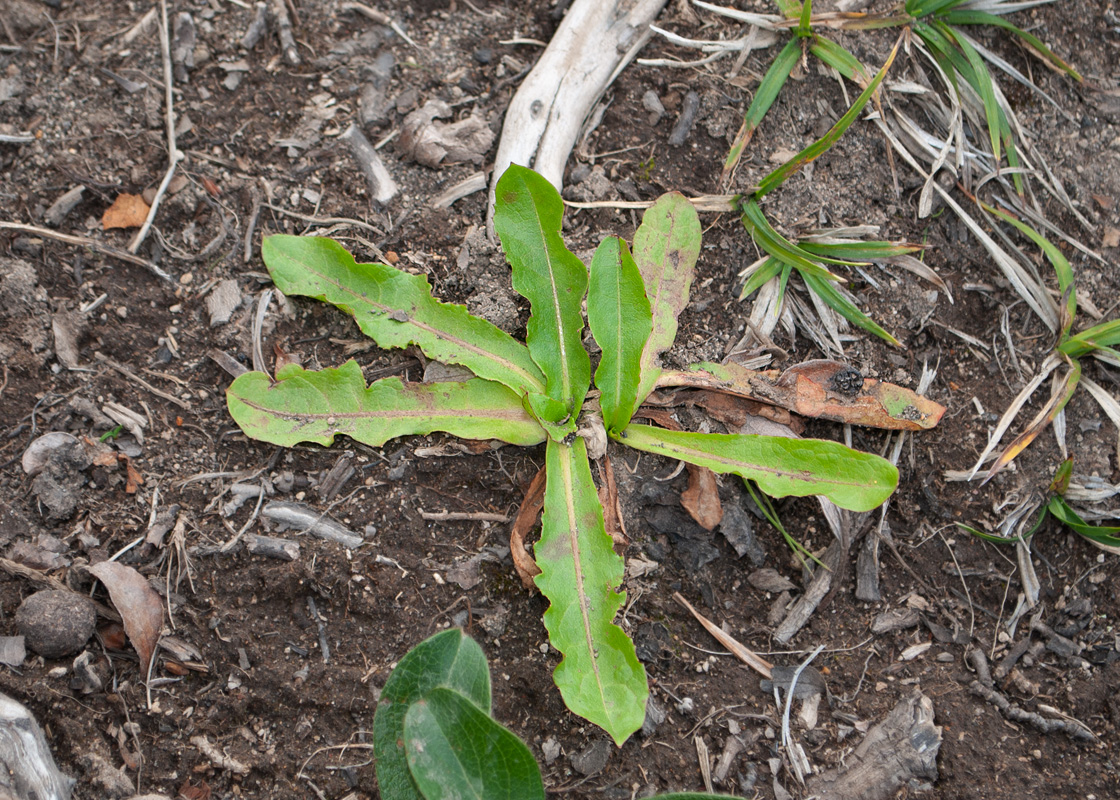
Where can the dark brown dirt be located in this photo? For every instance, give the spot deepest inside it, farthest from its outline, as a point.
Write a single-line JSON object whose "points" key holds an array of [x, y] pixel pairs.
{"points": [[263, 690]]}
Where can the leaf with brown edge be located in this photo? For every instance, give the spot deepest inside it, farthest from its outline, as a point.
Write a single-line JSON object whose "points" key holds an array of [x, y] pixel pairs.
{"points": [[141, 609], [701, 498], [821, 389]]}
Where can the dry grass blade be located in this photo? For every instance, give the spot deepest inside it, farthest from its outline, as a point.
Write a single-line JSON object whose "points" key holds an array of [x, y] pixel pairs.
{"points": [[1063, 391], [1032, 292], [1108, 403], [1048, 366], [744, 654]]}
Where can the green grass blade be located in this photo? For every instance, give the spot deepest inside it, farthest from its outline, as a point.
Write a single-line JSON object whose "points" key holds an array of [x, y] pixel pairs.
{"points": [[982, 82], [923, 8], [782, 248], [1061, 265], [762, 500], [621, 321], [817, 148], [768, 270], [840, 60], [396, 309], [940, 49], [803, 28], [845, 307], [965, 16], [449, 659], [1104, 336], [1104, 535], [528, 212], [790, 9], [987, 537], [764, 97], [455, 750], [666, 246], [306, 406], [600, 677], [780, 466], [859, 251]]}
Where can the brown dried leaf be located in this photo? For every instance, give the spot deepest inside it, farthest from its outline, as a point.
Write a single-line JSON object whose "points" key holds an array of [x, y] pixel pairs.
{"points": [[527, 516], [701, 498], [127, 211], [608, 499], [141, 609], [134, 479], [821, 389]]}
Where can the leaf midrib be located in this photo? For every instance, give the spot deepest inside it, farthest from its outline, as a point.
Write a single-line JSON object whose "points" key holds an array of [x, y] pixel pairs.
{"points": [[561, 330], [567, 454], [514, 414]]}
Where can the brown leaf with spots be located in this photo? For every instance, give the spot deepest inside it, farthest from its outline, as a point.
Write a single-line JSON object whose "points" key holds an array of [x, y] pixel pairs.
{"points": [[701, 498], [141, 609], [127, 211]]}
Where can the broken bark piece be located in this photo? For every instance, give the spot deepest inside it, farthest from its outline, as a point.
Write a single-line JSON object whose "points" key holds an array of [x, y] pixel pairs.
{"points": [[63, 206], [272, 547], [901, 748], [279, 10], [382, 187], [182, 46], [257, 27], [373, 107], [595, 41], [687, 118], [1016, 713], [818, 587], [27, 768], [431, 143], [307, 520]]}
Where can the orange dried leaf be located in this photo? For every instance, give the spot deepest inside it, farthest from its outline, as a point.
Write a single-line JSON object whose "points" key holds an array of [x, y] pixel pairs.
{"points": [[134, 479], [127, 211], [701, 498]]}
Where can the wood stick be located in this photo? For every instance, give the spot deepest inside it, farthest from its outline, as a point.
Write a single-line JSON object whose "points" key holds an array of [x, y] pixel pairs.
{"points": [[743, 653], [93, 244], [173, 153]]}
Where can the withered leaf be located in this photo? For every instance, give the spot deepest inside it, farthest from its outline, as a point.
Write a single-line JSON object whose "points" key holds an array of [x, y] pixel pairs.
{"points": [[701, 498], [127, 211], [139, 605]]}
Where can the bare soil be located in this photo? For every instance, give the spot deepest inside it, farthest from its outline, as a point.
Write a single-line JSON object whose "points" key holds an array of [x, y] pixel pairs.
{"points": [[263, 689]]}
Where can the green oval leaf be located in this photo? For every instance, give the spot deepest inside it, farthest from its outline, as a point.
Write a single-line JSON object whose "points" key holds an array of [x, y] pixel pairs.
{"points": [[456, 752], [528, 212], [450, 659], [397, 309], [307, 406], [620, 318], [781, 467]]}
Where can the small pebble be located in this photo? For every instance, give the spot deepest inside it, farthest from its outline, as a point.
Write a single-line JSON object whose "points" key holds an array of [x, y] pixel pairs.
{"points": [[484, 55], [56, 623]]}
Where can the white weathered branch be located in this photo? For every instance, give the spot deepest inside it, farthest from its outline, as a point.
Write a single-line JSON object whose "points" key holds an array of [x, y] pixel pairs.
{"points": [[596, 40]]}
